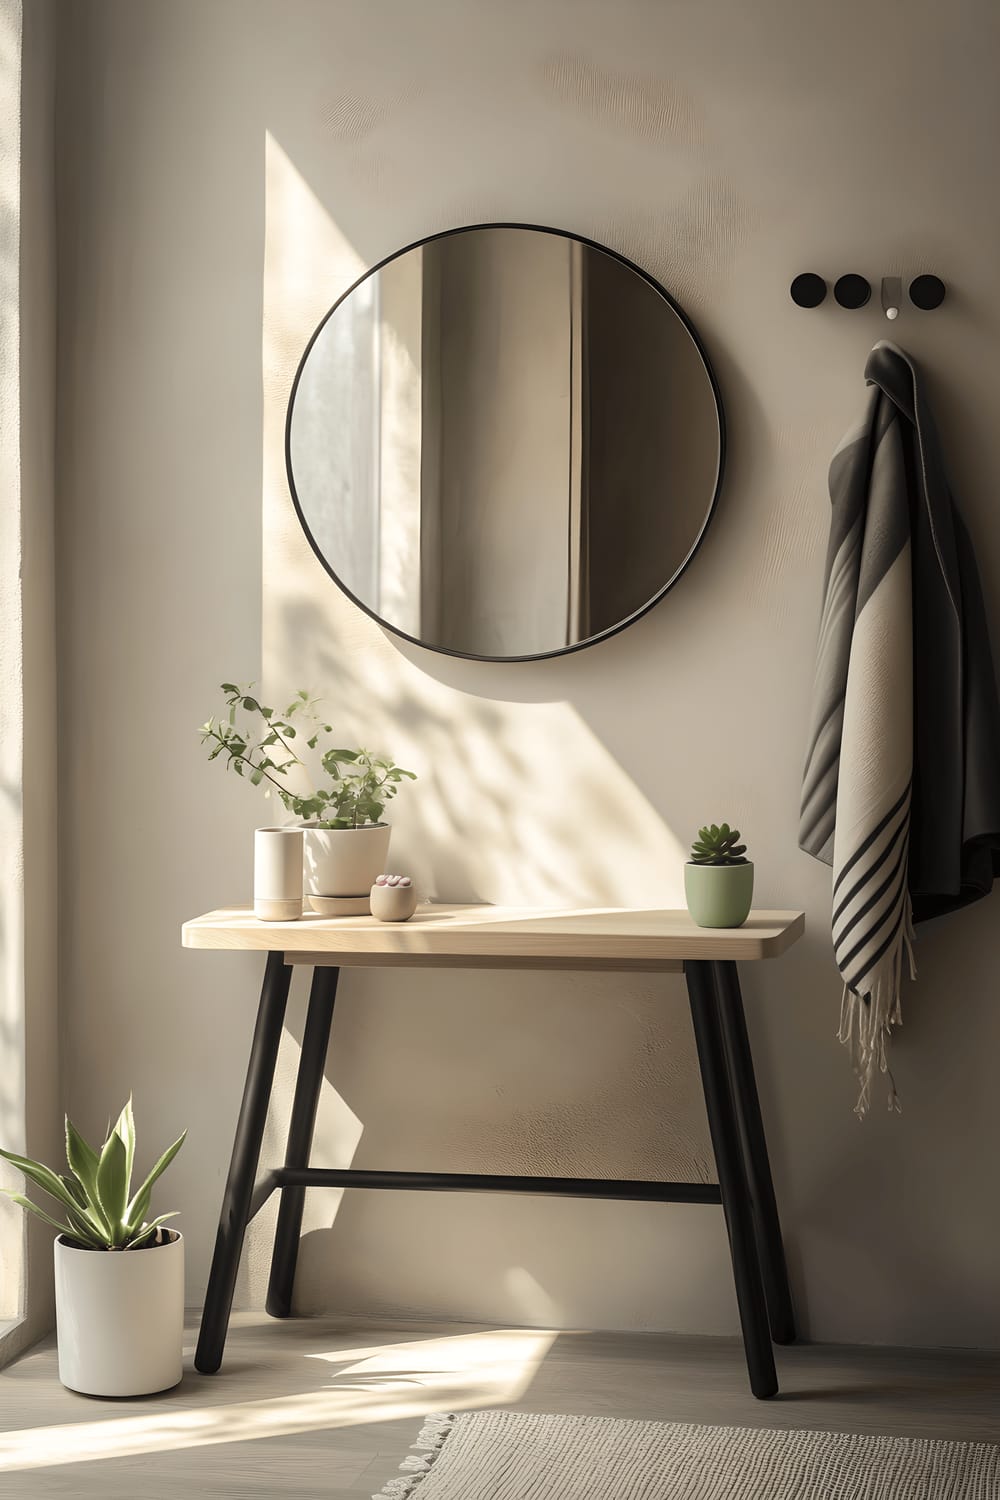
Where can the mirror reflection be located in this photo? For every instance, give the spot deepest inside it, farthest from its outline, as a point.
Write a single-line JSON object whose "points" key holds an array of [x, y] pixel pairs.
{"points": [[504, 442]]}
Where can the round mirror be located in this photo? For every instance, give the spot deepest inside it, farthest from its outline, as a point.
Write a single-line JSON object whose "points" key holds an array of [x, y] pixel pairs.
{"points": [[505, 442]]}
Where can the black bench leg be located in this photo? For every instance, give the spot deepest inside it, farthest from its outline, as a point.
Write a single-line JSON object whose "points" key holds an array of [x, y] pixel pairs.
{"points": [[309, 1081], [768, 1225], [243, 1165], [733, 1183]]}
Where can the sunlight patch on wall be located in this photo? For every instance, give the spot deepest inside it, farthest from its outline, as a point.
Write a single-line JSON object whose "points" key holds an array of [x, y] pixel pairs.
{"points": [[517, 803]]}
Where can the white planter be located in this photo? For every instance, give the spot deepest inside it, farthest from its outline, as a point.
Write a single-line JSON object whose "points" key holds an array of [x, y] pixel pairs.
{"points": [[345, 861], [120, 1318], [277, 874]]}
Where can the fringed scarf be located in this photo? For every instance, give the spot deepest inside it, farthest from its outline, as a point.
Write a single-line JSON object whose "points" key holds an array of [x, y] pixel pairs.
{"points": [[903, 656]]}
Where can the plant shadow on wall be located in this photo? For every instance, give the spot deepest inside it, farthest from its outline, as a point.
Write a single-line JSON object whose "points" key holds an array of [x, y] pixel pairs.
{"points": [[456, 1093]]}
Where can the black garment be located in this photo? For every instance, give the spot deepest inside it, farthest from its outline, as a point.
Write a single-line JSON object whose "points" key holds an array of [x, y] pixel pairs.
{"points": [[955, 817]]}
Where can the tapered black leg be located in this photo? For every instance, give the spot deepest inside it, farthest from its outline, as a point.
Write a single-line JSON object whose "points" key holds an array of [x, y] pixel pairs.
{"points": [[736, 1202], [243, 1165], [766, 1221], [312, 1061]]}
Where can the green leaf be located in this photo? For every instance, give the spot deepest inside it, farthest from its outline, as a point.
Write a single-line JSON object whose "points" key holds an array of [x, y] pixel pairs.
{"points": [[40, 1212], [111, 1183], [125, 1130], [50, 1182], [136, 1212], [251, 705], [158, 1170], [149, 1229], [82, 1157], [84, 1230], [230, 687]]}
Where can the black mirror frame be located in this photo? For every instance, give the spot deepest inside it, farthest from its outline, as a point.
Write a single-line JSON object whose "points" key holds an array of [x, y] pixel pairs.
{"points": [[620, 625]]}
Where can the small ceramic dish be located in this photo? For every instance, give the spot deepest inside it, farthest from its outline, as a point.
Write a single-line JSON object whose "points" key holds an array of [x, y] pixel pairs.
{"points": [[339, 906]]}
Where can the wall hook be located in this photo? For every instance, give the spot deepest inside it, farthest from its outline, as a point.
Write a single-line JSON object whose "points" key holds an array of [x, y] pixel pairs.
{"points": [[892, 296], [808, 290], [852, 291], [927, 292]]}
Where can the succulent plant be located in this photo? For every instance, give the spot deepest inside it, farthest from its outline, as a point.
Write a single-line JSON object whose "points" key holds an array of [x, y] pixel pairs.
{"points": [[100, 1210], [718, 845]]}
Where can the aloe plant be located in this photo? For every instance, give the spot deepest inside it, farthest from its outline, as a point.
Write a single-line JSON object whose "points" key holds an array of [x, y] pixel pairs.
{"points": [[100, 1210], [718, 845]]}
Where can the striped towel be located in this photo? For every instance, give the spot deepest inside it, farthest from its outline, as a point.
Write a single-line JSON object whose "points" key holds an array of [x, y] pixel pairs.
{"points": [[901, 792]]}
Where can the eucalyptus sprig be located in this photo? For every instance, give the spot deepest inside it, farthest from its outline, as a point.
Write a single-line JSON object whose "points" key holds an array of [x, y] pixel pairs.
{"points": [[262, 745], [100, 1210]]}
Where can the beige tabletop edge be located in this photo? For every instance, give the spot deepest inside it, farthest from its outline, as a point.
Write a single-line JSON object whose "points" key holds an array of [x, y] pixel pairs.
{"points": [[605, 934]]}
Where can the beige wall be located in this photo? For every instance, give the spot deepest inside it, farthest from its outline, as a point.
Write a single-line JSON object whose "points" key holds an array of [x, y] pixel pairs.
{"points": [[227, 168]]}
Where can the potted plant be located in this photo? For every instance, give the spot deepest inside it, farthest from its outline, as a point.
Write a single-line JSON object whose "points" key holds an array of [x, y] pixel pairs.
{"points": [[119, 1275], [718, 878], [346, 841]]}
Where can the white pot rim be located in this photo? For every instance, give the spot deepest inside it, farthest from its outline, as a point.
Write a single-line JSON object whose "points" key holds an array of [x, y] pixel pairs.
{"points": [[176, 1238], [281, 828], [322, 828]]}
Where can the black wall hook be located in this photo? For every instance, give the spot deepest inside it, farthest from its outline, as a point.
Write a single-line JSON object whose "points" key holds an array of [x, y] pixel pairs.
{"points": [[852, 291], [927, 292], [808, 290]]}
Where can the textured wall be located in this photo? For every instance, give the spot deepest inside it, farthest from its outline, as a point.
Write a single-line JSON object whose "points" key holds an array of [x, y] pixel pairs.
{"points": [[228, 169]]}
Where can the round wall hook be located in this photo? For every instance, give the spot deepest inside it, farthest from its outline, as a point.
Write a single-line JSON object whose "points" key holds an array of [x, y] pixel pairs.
{"points": [[927, 292], [852, 291], [808, 290]]}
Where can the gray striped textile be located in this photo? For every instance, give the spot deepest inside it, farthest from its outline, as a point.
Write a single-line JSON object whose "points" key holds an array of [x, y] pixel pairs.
{"points": [[505, 1455], [856, 790], [902, 784]]}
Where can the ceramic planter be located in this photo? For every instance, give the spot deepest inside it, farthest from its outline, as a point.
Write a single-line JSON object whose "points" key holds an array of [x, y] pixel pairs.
{"points": [[277, 874], [719, 895], [120, 1318], [345, 861]]}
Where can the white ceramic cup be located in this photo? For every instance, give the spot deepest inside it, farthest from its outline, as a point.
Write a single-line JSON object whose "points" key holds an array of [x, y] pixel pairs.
{"points": [[277, 874]]}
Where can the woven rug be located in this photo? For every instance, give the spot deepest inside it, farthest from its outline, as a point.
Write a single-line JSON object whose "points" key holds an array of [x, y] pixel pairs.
{"points": [[505, 1455]]}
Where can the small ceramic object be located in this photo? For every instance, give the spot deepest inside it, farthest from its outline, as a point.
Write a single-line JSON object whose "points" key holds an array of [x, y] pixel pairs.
{"points": [[393, 898], [340, 906], [719, 895], [277, 874], [344, 861]]}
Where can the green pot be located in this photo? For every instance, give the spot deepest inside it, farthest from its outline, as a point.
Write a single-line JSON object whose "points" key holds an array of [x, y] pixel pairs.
{"points": [[719, 895]]}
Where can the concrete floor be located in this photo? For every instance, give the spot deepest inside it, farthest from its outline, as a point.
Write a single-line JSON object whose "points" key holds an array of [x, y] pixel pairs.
{"points": [[306, 1407]]}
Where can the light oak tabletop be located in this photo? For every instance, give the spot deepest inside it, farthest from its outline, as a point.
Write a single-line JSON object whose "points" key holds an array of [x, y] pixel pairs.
{"points": [[483, 936]]}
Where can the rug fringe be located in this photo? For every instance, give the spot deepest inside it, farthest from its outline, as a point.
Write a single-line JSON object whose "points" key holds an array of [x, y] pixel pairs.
{"points": [[430, 1440]]}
